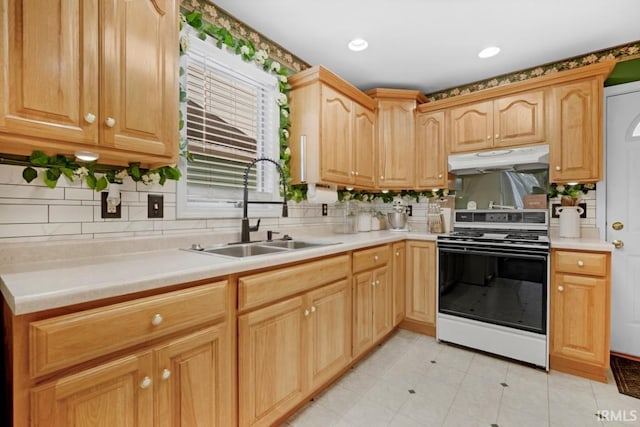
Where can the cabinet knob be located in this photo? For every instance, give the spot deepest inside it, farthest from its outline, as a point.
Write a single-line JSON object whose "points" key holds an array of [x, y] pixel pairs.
{"points": [[357, 173], [156, 320], [397, 253], [375, 257], [377, 282], [382, 177], [497, 135], [560, 288], [353, 173], [145, 383], [488, 136], [313, 308], [165, 374], [90, 118], [440, 175], [306, 313], [558, 168], [373, 283], [580, 263], [110, 122]]}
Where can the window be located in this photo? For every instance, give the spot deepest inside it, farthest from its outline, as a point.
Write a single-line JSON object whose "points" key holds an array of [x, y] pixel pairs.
{"points": [[231, 118]]}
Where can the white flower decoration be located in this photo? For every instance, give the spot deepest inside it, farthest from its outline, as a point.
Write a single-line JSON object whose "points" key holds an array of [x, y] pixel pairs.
{"points": [[285, 133], [282, 99], [284, 113], [184, 43], [560, 188], [120, 176], [80, 173], [283, 79], [261, 56], [275, 66], [151, 178], [245, 50], [287, 151]]}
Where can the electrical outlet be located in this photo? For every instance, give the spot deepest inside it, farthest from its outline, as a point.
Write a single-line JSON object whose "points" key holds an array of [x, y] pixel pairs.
{"points": [[410, 210], [105, 212], [325, 209], [155, 208]]}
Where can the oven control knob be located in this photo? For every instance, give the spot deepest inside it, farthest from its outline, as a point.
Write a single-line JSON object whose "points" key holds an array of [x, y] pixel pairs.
{"points": [[560, 288]]}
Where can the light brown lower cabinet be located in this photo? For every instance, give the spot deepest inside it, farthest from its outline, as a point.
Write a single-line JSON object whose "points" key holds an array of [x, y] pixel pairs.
{"points": [[420, 301], [289, 349], [399, 273], [580, 313], [163, 360]]}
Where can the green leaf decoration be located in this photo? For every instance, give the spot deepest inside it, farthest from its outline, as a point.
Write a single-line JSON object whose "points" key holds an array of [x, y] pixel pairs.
{"points": [[29, 174], [38, 158], [68, 173], [50, 179], [101, 184], [91, 181]]}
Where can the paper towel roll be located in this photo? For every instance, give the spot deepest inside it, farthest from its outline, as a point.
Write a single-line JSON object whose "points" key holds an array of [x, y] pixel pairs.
{"points": [[322, 194]]}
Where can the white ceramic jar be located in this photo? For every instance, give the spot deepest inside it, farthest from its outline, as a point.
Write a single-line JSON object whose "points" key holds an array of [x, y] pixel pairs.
{"points": [[569, 221]]}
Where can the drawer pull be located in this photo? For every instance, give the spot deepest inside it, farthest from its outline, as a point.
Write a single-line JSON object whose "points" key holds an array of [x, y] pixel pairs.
{"points": [[580, 263], [165, 374], [157, 319], [560, 288], [375, 258], [145, 383]]}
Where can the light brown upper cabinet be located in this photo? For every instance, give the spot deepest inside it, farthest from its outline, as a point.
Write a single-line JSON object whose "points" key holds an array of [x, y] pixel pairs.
{"points": [[93, 75], [332, 131], [431, 151], [502, 122], [576, 112], [395, 137]]}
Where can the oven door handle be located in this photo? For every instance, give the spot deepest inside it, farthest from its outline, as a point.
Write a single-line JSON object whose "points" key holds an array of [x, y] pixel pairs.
{"points": [[514, 254]]}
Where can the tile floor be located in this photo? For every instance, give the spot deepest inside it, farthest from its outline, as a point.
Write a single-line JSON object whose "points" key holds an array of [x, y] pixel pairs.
{"points": [[411, 380]]}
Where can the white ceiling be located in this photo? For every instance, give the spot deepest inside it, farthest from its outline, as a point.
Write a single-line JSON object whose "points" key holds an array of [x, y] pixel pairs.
{"points": [[433, 44]]}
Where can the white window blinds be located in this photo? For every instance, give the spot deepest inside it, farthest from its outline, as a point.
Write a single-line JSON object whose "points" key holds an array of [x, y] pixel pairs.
{"points": [[231, 118]]}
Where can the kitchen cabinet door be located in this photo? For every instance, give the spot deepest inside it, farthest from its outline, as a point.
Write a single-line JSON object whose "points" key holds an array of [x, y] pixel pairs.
{"points": [[382, 303], [431, 154], [471, 127], [118, 393], [398, 281], [421, 283], [50, 77], [337, 133], [396, 133], [363, 147], [194, 380], [139, 91], [578, 307], [329, 337], [575, 153], [362, 312], [519, 119], [272, 363]]}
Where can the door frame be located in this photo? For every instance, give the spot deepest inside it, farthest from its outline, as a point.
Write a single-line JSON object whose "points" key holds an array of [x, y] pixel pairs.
{"points": [[601, 193]]}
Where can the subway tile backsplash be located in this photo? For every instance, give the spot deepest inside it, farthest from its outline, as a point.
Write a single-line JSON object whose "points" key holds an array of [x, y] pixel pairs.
{"points": [[34, 212]]}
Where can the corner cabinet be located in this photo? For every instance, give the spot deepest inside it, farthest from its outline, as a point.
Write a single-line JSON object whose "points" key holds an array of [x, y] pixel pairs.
{"points": [[97, 76], [431, 151], [395, 137], [332, 131], [576, 114], [420, 300], [503, 122], [580, 295], [146, 362]]}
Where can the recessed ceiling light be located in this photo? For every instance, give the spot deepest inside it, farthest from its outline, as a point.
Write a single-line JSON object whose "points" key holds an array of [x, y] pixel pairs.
{"points": [[489, 52], [358, 45]]}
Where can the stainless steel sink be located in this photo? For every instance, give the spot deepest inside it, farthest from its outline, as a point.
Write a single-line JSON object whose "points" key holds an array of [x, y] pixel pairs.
{"points": [[295, 244], [259, 248]]}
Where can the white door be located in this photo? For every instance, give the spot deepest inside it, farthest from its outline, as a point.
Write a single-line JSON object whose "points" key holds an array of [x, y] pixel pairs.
{"points": [[623, 206]]}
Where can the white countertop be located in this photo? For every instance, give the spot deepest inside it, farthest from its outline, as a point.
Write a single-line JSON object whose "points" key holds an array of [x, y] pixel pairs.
{"points": [[36, 286]]}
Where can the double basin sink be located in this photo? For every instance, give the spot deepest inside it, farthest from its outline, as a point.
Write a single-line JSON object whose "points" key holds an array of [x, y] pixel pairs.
{"points": [[242, 250]]}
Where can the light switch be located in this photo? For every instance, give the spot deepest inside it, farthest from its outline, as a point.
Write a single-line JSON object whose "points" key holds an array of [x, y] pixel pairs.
{"points": [[155, 208]]}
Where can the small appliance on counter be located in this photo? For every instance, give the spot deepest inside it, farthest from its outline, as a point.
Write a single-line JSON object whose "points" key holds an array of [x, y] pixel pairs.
{"points": [[398, 218]]}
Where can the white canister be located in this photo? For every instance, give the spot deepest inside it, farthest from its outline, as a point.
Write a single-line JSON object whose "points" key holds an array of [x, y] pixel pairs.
{"points": [[569, 220], [364, 221]]}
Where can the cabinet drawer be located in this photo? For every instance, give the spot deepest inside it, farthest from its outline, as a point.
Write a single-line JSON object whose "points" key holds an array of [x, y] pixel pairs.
{"points": [[581, 262], [370, 258], [261, 288], [67, 340]]}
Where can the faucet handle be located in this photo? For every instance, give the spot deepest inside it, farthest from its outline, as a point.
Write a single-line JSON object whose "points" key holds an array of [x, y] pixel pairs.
{"points": [[270, 234], [255, 227]]}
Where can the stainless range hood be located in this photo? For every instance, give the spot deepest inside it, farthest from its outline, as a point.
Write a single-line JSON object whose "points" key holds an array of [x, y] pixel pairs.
{"points": [[512, 159]]}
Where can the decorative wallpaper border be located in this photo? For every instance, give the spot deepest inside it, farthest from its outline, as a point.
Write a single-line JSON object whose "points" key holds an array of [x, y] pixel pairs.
{"points": [[628, 51], [220, 17]]}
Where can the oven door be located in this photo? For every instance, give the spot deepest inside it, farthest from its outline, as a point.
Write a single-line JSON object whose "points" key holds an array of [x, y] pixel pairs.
{"points": [[504, 286]]}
